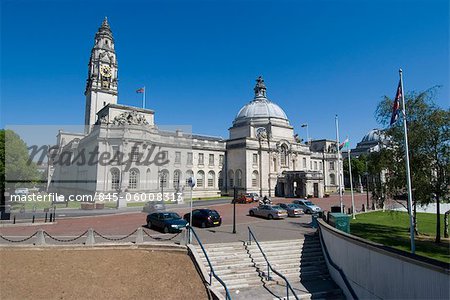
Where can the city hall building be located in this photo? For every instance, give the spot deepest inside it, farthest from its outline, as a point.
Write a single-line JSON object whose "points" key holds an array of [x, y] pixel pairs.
{"points": [[261, 155]]}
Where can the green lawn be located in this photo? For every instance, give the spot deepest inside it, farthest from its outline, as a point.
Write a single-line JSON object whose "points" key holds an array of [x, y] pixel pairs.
{"points": [[391, 228]]}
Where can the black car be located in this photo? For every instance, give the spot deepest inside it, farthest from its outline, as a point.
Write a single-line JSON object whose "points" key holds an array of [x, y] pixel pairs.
{"points": [[204, 218], [166, 221]]}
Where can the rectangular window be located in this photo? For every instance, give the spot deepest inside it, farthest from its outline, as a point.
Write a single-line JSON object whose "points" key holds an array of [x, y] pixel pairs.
{"points": [[332, 165], [211, 159], [315, 165], [320, 166], [201, 159], [310, 165], [255, 159], [304, 162], [134, 155], [177, 157], [189, 158], [221, 159]]}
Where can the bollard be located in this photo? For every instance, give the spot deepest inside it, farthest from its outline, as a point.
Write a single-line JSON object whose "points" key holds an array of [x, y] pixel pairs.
{"points": [[14, 220], [40, 238], [90, 240], [363, 208], [51, 218], [45, 217], [139, 236], [32, 220]]}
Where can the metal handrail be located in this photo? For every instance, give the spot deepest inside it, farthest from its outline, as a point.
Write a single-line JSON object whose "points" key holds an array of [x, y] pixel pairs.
{"points": [[269, 266], [211, 269], [335, 266]]}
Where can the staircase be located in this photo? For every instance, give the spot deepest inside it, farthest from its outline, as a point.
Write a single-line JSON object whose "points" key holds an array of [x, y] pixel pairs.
{"points": [[232, 264], [243, 268], [301, 262]]}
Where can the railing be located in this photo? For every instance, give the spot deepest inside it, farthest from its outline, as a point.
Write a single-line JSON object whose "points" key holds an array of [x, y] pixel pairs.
{"points": [[269, 266], [211, 269], [344, 278]]}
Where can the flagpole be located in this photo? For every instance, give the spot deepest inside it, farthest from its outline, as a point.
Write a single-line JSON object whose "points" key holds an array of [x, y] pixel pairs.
{"points": [[351, 183], [143, 97], [408, 171], [339, 164]]}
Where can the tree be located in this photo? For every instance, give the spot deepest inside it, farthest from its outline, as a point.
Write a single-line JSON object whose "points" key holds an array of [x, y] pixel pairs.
{"points": [[428, 135], [15, 165]]}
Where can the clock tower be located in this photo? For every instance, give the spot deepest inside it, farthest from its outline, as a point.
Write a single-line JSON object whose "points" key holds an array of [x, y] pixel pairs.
{"points": [[101, 85]]}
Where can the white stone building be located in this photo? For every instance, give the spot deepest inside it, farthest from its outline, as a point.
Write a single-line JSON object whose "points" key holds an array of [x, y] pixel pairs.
{"points": [[262, 153]]}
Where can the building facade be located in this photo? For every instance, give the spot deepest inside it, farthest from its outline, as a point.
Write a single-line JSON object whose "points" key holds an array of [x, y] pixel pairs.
{"points": [[261, 155]]}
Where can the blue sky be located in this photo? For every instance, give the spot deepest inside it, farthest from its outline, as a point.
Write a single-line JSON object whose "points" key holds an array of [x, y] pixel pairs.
{"points": [[199, 59]]}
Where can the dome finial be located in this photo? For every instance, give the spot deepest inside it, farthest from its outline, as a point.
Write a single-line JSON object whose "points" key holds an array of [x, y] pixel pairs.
{"points": [[260, 88]]}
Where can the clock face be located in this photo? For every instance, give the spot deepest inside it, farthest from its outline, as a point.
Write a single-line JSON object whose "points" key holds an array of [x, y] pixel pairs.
{"points": [[105, 71]]}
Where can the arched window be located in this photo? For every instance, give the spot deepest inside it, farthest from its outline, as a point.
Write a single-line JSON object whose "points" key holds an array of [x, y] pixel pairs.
{"points": [[200, 179], [220, 183], [115, 179], [148, 179], [133, 179], [163, 177], [231, 179], [189, 174], [238, 178], [332, 179], [284, 155], [211, 178], [176, 179], [255, 179]]}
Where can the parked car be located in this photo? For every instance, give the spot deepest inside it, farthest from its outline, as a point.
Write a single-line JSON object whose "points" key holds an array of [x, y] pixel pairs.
{"points": [[154, 206], [243, 199], [293, 210], [22, 191], [254, 196], [307, 206], [204, 218], [268, 211], [166, 221]]}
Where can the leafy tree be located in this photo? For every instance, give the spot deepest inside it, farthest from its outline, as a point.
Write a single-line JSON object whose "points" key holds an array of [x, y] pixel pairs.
{"points": [[428, 140], [15, 165]]}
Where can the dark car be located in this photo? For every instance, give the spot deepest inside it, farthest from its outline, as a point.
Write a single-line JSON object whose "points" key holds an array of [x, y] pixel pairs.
{"points": [[204, 218], [166, 221]]}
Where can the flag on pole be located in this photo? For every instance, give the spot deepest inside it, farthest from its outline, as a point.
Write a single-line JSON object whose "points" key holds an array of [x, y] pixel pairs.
{"points": [[140, 90], [344, 144], [396, 105]]}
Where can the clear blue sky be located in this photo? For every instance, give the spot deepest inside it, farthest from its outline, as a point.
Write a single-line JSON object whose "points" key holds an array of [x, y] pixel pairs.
{"points": [[199, 59]]}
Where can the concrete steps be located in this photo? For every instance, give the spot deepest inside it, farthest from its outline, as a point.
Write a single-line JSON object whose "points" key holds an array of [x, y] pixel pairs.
{"points": [[232, 264], [301, 262], [243, 267]]}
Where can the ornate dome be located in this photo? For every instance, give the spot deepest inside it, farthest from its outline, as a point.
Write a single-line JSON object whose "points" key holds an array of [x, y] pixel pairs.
{"points": [[375, 135], [260, 106]]}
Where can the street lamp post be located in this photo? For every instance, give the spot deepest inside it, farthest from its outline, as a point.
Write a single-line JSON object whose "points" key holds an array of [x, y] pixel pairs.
{"points": [[191, 183]]}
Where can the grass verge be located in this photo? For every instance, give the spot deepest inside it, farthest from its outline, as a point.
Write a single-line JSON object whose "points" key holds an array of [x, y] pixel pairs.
{"points": [[391, 228]]}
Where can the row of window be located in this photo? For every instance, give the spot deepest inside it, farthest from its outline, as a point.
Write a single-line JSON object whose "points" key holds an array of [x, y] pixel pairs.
{"points": [[235, 179], [134, 155]]}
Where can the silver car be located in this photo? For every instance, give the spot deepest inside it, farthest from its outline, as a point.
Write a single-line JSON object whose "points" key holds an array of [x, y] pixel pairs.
{"points": [[269, 212], [294, 210], [308, 206]]}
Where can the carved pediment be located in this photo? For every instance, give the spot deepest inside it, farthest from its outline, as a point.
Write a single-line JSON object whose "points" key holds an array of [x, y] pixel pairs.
{"points": [[130, 118]]}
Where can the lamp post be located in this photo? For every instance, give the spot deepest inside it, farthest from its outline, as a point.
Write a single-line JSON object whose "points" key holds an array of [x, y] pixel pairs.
{"points": [[191, 184]]}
